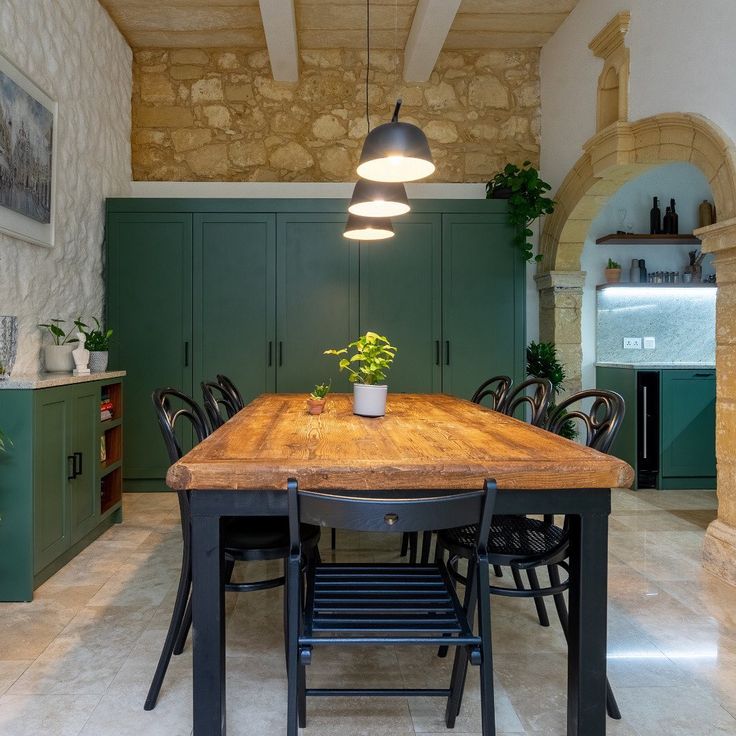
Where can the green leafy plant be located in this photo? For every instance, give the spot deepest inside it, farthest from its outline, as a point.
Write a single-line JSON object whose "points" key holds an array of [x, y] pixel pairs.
{"points": [[371, 360], [527, 202], [5, 442], [321, 390], [613, 264], [542, 362], [58, 335], [97, 339]]}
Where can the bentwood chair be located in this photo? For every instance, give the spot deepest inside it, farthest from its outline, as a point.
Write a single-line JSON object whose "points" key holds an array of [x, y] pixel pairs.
{"points": [[535, 403], [494, 390], [243, 538], [232, 389], [389, 604], [217, 401], [523, 543]]}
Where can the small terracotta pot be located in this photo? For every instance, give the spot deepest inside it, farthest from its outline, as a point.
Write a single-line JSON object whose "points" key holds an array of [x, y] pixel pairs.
{"points": [[613, 275], [315, 406]]}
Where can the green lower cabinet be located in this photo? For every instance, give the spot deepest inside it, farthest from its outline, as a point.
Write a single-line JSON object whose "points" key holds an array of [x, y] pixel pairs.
{"points": [[84, 496]]}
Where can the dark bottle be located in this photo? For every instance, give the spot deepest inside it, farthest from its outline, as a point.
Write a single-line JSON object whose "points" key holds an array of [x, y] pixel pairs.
{"points": [[667, 221], [655, 221], [642, 271], [675, 227]]}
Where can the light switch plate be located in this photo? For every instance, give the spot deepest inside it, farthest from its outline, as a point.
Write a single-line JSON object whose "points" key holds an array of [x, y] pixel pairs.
{"points": [[649, 343], [632, 343]]}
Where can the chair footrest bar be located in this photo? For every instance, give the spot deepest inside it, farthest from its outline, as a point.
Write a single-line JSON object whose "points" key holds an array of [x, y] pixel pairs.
{"points": [[378, 692], [433, 641], [256, 585]]}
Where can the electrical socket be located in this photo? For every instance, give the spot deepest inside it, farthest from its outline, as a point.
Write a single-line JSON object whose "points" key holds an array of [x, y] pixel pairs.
{"points": [[632, 343], [650, 343]]}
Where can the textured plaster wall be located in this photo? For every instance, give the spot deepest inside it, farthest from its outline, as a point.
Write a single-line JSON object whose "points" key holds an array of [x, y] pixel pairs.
{"points": [[73, 52], [218, 115]]}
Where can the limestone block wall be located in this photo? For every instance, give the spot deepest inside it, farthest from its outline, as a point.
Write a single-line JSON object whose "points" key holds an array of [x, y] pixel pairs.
{"points": [[72, 51], [217, 115]]}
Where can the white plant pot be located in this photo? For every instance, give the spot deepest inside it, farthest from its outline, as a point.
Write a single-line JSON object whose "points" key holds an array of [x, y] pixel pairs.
{"points": [[58, 358], [369, 401], [98, 361]]}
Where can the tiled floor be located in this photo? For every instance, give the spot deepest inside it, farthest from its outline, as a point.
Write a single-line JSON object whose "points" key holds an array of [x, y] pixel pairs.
{"points": [[78, 660]]}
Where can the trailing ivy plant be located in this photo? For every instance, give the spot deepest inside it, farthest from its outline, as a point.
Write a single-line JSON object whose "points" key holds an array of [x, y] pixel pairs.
{"points": [[542, 362], [527, 202], [371, 360]]}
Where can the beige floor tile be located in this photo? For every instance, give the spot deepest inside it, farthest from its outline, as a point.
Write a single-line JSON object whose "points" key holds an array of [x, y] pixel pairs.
{"points": [[32, 715], [11, 670]]}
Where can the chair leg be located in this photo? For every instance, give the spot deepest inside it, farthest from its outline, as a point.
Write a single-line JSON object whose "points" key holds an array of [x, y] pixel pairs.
{"points": [[439, 553], [334, 540], [404, 544], [538, 600], [426, 546], [413, 545], [182, 604], [302, 695], [292, 595], [286, 611], [554, 576], [186, 625], [487, 706], [497, 571]]}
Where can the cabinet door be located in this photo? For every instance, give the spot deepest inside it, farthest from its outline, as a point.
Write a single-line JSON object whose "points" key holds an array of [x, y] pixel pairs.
{"points": [[52, 467], [317, 297], [688, 423], [84, 495], [400, 297], [483, 302], [150, 312], [234, 300]]}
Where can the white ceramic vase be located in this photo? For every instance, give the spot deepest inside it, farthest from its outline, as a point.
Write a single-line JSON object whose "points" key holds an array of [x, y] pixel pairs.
{"points": [[369, 401], [58, 358], [98, 361]]}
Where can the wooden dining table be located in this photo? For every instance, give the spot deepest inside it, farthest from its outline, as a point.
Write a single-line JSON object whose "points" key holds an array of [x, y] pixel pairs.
{"points": [[424, 442]]}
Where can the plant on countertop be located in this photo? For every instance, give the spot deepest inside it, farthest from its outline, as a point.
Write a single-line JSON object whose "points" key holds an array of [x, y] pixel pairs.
{"points": [[542, 362], [320, 391], [373, 355], [613, 264], [57, 334], [98, 340], [527, 201]]}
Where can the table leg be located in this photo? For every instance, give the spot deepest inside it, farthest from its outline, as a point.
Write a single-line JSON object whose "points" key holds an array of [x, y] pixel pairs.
{"points": [[586, 670], [208, 614]]}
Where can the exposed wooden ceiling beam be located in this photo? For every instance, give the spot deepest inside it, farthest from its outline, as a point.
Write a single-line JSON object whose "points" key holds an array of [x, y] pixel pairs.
{"points": [[428, 32], [279, 25]]}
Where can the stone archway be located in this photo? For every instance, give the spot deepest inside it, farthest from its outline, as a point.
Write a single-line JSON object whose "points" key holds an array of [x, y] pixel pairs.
{"points": [[615, 155]]}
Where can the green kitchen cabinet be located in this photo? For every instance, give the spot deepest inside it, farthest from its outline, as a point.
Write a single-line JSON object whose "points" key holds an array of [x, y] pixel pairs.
{"points": [[149, 308], [50, 479], [400, 297], [317, 288]]}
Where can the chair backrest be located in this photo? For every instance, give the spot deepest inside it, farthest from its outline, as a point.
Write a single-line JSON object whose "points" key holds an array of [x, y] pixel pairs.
{"points": [[168, 415], [375, 512], [536, 401], [494, 389], [602, 421], [232, 389], [215, 399]]}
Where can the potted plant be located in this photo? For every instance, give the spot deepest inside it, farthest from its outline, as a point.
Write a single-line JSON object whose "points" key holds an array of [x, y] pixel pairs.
{"points": [[368, 367], [542, 362], [613, 272], [525, 191], [57, 357], [318, 397], [98, 344]]}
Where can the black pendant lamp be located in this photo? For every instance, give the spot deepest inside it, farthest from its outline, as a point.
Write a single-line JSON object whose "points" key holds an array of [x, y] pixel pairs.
{"points": [[368, 228], [395, 152], [379, 199]]}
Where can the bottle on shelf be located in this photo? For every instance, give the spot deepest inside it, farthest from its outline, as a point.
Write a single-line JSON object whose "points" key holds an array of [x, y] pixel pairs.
{"points": [[655, 221], [674, 225], [635, 272], [667, 221], [642, 271], [705, 214]]}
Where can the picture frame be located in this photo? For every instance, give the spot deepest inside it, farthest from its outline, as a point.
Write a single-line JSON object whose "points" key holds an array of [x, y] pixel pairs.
{"points": [[28, 152]]}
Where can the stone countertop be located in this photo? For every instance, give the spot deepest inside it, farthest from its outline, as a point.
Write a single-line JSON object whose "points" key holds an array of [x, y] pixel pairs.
{"points": [[658, 366], [50, 380]]}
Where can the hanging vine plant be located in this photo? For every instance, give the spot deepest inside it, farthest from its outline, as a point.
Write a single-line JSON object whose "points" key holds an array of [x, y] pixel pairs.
{"points": [[525, 191]]}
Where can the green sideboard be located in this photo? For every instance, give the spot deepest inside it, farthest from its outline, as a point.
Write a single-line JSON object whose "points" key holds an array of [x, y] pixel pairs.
{"points": [[668, 433], [257, 289], [57, 494]]}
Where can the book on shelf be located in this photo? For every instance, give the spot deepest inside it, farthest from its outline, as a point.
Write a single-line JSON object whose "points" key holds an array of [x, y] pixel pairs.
{"points": [[106, 410]]}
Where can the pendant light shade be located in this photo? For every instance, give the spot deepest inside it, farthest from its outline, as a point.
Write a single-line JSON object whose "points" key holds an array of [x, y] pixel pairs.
{"points": [[379, 199], [395, 152], [368, 228]]}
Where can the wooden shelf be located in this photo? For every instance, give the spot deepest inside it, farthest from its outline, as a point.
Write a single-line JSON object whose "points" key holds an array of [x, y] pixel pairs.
{"points": [[106, 468], [647, 239], [629, 285]]}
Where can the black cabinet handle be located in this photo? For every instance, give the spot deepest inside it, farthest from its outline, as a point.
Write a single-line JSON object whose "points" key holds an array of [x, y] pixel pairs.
{"points": [[71, 467], [281, 353], [447, 352], [436, 352], [77, 464], [270, 353], [186, 354], [703, 375]]}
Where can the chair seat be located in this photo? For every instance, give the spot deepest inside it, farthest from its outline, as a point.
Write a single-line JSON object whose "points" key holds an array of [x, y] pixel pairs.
{"points": [[510, 536], [243, 535]]}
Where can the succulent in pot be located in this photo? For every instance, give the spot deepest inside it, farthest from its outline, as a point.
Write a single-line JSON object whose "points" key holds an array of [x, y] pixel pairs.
{"points": [[318, 397], [57, 357], [368, 367], [98, 344], [612, 272]]}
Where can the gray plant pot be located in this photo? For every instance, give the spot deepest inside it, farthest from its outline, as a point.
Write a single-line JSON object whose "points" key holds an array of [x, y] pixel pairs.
{"points": [[58, 358], [369, 401], [98, 361]]}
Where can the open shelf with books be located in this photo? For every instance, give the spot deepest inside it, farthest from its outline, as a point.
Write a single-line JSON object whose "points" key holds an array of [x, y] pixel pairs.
{"points": [[111, 446]]}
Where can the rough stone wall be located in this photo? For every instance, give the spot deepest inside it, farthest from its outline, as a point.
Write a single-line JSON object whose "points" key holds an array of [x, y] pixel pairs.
{"points": [[215, 114], [74, 53]]}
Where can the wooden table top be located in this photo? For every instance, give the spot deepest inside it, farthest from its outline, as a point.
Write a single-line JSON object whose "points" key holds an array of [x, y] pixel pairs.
{"points": [[424, 441]]}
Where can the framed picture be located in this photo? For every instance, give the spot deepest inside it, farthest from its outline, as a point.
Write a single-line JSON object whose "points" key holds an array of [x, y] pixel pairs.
{"points": [[28, 119]]}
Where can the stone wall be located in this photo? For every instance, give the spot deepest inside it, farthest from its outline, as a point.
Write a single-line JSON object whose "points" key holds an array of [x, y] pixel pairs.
{"points": [[202, 115], [72, 51]]}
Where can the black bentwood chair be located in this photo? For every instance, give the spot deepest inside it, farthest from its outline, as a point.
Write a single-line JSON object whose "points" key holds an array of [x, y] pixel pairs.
{"points": [[217, 400], [537, 402], [375, 604], [232, 389], [525, 543], [243, 538], [495, 389]]}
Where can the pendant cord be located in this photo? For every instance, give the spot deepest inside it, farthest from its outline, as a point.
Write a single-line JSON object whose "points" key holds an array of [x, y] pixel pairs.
{"points": [[368, 58]]}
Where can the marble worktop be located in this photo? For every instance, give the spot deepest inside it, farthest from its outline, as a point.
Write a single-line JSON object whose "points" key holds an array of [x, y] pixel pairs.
{"points": [[660, 366], [50, 380]]}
